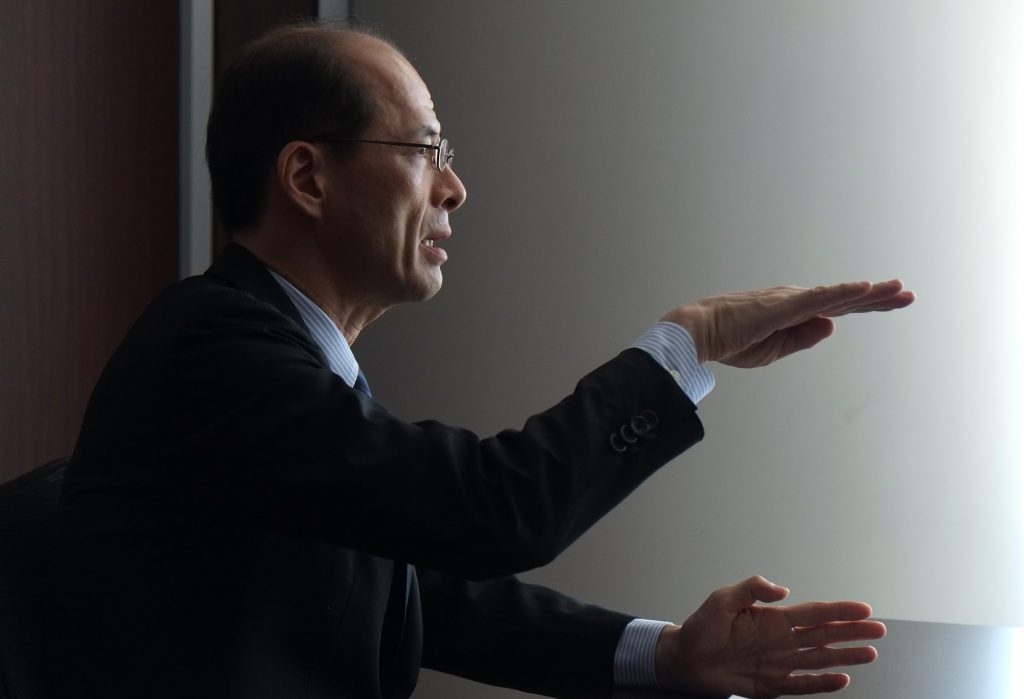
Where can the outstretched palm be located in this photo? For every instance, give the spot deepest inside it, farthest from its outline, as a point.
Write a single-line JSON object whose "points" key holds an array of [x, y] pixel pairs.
{"points": [[732, 645]]}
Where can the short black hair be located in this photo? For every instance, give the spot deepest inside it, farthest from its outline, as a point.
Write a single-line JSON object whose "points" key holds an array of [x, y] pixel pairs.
{"points": [[290, 84]]}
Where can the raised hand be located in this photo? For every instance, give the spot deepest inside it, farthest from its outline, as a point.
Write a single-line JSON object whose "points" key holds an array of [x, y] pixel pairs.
{"points": [[754, 328]]}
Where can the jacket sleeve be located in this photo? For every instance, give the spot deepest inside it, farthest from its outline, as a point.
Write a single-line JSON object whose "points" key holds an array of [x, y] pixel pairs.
{"points": [[512, 634], [256, 431]]}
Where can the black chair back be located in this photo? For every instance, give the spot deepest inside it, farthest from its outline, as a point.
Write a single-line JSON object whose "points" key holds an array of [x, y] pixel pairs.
{"points": [[28, 507]]}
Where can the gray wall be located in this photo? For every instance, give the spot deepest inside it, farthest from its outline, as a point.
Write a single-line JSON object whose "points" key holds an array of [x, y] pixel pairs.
{"points": [[625, 157]]}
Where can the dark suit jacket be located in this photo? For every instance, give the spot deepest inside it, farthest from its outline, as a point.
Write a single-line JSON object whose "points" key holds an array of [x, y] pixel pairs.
{"points": [[233, 510]]}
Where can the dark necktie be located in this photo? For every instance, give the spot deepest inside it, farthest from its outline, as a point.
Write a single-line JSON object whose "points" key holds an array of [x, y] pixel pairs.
{"points": [[395, 617], [360, 384]]}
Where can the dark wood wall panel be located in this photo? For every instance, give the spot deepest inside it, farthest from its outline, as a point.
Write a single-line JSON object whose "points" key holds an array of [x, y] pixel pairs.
{"points": [[88, 202], [239, 21]]}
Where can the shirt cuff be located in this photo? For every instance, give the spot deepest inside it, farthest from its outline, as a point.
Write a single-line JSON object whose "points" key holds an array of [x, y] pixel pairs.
{"points": [[634, 656], [672, 347]]}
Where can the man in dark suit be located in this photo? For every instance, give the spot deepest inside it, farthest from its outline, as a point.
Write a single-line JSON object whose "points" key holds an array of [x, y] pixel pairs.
{"points": [[242, 519]]}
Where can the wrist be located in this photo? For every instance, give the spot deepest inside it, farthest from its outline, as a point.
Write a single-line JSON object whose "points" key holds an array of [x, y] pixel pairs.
{"points": [[665, 662], [689, 317]]}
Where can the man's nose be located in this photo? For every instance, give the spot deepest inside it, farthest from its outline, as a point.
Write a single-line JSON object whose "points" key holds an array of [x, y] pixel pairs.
{"points": [[452, 190]]}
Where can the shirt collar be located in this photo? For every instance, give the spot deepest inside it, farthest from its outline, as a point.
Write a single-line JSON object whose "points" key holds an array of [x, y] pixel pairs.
{"points": [[325, 333]]}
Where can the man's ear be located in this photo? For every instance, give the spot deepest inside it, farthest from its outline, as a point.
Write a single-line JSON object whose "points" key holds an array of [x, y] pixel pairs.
{"points": [[300, 175]]}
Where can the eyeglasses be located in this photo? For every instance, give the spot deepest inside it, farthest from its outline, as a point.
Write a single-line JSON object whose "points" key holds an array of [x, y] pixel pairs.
{"points": [[444, 154]]}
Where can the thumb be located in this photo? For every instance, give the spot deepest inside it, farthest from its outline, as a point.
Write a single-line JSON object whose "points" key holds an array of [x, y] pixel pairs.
{"points": [[749, 592]]}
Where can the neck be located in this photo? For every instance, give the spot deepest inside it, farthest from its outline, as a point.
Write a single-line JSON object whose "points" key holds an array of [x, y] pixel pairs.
{"points": [[308, 272]]}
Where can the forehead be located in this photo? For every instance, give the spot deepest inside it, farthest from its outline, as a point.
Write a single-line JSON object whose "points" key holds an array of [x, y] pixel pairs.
{"points": [[400, 95]]}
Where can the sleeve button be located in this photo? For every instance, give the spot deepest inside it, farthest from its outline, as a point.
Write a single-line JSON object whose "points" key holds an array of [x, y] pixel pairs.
{"points": [[651, 417], [617, 443]]}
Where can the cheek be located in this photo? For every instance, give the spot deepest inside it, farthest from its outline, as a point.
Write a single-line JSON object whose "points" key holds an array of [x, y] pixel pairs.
{"points": [[414, 220]]}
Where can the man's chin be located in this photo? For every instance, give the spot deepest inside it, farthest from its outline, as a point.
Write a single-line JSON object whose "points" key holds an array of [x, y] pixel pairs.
{"points": [[432, 292], [427, 288]]}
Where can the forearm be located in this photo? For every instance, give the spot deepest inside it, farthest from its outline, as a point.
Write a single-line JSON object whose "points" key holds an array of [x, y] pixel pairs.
{"points": [[509, 633]]}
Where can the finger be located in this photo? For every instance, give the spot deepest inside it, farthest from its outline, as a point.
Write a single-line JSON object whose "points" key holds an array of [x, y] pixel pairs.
{"points": [[821, 658], [839, 632], [786, 306], [815, 613], [805, 335], [901, 300], [782, 343], [813, 684], [735, 598], [882, 296], [817, 301]]}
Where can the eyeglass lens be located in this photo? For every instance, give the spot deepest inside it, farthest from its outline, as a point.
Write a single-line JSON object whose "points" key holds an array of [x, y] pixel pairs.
{"points": [[445, 154]]}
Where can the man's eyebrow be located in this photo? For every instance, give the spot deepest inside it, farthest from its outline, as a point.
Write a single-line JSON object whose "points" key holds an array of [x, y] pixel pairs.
{"points": [[430, 131]]}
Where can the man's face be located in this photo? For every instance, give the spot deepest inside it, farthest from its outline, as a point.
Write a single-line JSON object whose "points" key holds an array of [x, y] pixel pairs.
{"points": [[387, 210]]}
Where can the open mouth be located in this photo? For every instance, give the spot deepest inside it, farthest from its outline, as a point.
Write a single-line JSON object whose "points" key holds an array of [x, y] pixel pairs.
{"points": [[437, 253], [435, 239]]}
